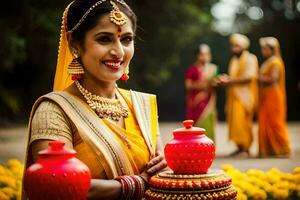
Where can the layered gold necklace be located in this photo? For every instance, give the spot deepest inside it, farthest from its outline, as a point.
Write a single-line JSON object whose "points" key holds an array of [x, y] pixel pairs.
{"points": [[103, 107]]}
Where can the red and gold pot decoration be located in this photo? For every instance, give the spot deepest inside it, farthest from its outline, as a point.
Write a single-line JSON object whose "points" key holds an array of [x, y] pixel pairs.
{"points": [[214, 185], [190, 152], [57, 174], [190, 155]]}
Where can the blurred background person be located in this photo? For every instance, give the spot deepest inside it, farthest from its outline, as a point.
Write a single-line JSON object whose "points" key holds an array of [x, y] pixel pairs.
{"points": [[242, 93], [273, 133], [199, 84]]}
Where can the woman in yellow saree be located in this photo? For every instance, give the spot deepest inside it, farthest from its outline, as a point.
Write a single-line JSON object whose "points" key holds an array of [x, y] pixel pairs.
{"points": [[273, 133], [114, 131]]}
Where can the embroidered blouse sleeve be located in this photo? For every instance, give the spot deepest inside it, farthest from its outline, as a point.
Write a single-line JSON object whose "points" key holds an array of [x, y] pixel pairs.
{"points": [[51, 123]]}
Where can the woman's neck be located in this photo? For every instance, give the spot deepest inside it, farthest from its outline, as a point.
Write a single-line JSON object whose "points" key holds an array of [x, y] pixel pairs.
{"points": [[199, 64], [100, 88]]}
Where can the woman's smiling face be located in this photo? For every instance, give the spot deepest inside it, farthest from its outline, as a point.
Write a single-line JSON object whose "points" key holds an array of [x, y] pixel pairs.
{"points": [[107, 50]]}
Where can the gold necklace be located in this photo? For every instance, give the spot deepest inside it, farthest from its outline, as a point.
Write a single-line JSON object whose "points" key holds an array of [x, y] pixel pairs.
{"points": [[103, 107]]}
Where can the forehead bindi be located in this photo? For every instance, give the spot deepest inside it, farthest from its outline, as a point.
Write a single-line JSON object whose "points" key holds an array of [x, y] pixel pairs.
{"points": [[105, 25]]}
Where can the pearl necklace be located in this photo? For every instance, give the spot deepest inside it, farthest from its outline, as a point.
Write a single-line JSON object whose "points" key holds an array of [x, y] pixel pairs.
{"points": [[103, 107]]}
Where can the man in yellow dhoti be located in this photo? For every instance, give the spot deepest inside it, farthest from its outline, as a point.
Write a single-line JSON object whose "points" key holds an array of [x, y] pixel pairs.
{"points": [[241, 94]]}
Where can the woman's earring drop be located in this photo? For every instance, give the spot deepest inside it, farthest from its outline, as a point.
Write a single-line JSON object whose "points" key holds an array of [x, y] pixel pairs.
{"points": [[125, 76], [75, 68]]}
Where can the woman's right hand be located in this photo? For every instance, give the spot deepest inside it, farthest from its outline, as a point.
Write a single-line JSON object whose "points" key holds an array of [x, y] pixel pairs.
{"points": [[154, 166]]}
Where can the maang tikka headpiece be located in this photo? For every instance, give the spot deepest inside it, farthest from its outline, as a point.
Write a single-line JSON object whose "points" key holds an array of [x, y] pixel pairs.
{"points": [[116, 16]]}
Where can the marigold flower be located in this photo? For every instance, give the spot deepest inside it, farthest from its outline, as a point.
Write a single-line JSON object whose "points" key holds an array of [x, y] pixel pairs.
{"points": [[256, 184], [2, 170], [281, 193], [8, 181], [8, 192], [3, 196], [11, 180], [227, 167], [296, 170], [241, 196]]}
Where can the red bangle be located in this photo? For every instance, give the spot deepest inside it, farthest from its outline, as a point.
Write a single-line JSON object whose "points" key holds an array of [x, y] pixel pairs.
{"points": [[133, 187]]}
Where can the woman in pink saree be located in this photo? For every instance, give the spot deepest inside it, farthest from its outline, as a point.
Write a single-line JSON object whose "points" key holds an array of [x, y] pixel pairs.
{"points": [[199, 84]]}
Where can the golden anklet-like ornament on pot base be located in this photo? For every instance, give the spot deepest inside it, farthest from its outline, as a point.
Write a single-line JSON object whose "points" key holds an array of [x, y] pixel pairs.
{"points": [[103, 107]]}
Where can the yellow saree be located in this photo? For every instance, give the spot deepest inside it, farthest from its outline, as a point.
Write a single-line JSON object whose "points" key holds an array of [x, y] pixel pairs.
{"points": [[108, 150], [273, 133], [242, 99], [98, 142]]}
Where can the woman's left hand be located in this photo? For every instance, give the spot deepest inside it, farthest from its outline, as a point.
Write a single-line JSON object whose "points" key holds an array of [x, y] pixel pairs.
{"points": [[156, 164]]}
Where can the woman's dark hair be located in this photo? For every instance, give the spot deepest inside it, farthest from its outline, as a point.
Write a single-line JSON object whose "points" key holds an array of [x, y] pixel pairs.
{"points": [[79, 7]]}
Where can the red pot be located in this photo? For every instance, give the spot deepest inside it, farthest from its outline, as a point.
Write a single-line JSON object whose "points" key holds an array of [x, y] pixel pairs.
{"points": [[190, 152], [57, 174]]}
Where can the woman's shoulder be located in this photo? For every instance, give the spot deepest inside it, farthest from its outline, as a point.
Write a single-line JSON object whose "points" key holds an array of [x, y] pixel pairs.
{"points": [[49, 121], [131, 92], [252, 55], [140, 100], [192, 67], [48, 106], [276, 59], [44, 101], [274, 62], [214, 66], [47, 96], [191, 72]]}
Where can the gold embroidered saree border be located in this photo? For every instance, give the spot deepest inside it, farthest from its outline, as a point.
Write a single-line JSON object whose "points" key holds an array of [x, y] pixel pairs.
{"points": [[145, 109], [108, 146]]}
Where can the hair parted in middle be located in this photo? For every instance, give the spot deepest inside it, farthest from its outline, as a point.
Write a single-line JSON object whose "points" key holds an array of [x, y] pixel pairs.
{"points": [[83, 15]]}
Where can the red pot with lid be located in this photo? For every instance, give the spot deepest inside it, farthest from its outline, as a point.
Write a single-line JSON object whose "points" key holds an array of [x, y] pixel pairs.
{"points": [[57, 174], [190, 151]]}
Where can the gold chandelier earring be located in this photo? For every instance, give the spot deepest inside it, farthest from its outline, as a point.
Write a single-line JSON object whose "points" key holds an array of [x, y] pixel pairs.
{"points": [[125, 76], [75, 68]]}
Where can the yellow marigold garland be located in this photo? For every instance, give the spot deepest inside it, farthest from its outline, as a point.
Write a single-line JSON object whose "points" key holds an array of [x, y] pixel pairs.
{"points": [[259, 185], [11, 180]]}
